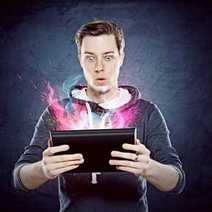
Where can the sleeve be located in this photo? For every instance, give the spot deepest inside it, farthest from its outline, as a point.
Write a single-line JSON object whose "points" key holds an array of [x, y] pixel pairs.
{"points": [[33, 152], [158, 141]]}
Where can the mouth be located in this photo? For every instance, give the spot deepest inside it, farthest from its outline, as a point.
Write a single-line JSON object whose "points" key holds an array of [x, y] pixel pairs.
{"points": [[100, 79]]}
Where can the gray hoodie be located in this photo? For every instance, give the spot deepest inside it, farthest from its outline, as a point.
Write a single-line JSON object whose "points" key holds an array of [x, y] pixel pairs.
{"points": [[117, 191]]}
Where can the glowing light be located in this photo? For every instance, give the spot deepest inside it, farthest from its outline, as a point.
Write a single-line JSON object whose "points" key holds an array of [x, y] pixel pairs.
{"points": [[124, 118], [65, 120], [80, 116]]}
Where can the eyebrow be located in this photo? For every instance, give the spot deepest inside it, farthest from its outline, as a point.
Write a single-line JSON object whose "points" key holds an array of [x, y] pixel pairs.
{"points": [[109, 52]]}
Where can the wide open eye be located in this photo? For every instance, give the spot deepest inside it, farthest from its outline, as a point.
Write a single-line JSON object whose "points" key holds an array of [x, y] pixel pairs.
{"points": [[108, 57], [90, 58]]}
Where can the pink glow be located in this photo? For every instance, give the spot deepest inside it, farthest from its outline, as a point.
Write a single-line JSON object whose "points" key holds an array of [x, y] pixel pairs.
{"points": [[124, 118], [64, 119], [78, 117]]}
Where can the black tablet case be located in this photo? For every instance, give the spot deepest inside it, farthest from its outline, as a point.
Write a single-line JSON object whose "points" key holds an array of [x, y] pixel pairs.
{"points": [[95, 145]]}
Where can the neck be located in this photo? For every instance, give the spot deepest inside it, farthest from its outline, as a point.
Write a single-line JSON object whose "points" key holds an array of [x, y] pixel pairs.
{"points": [[99, 96]]}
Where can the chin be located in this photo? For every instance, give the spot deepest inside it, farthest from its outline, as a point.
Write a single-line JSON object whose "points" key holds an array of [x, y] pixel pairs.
{"points": [[101, 88]]}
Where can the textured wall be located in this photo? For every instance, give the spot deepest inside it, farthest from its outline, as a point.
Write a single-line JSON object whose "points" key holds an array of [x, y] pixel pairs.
{"points": [[168, 57]]}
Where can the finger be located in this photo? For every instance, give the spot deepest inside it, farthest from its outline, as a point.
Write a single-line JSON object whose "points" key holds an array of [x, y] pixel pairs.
{"points": [[137, 141], [63, 158], [55, 166], [55, 149], [62, 170], [127, 163], [124, 155], [49, 142], [131, 156], [139, 148], [143, 158], [128, 169]]}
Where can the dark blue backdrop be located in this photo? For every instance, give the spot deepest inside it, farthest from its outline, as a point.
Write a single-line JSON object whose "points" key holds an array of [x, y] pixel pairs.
{"points": [[168, 57]]}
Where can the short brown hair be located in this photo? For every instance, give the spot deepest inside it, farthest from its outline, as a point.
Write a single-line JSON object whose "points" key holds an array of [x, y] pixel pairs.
{"points": [[100, 27]]}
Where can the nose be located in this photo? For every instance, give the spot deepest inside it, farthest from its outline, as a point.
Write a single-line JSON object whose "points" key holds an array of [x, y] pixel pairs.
{"points": [[99, 65]]}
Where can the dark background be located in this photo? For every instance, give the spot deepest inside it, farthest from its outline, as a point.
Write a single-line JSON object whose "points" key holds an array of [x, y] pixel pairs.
{"points": [[168, 57]]}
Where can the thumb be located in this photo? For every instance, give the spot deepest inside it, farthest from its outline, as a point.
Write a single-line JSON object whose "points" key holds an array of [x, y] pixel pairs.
{"points": [[137, 141], [50, 142]]}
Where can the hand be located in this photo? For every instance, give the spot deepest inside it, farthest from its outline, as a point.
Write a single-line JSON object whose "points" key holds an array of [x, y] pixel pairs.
{"points": [[54, 165], [136, 163]]}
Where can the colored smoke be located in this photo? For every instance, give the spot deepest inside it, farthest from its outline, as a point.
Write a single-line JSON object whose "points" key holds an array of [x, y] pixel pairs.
{"points": [[80, 118]]}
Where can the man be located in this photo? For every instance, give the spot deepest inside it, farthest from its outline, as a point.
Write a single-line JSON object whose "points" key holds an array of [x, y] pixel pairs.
{"points": [[153, 159]]}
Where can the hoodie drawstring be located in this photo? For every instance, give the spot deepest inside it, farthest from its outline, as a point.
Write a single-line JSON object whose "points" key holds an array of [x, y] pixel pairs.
{"points": [[103, 123]]}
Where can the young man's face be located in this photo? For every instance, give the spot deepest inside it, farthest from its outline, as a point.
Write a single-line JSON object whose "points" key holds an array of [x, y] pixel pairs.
{"points": [[101, 61]]}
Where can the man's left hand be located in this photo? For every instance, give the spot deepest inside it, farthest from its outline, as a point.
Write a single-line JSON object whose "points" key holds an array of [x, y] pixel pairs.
{"points": [[135, 162]]}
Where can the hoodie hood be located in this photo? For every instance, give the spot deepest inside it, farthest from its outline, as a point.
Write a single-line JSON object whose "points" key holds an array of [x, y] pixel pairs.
{"points": [[96, 107], [78, 112], [100, 117]]}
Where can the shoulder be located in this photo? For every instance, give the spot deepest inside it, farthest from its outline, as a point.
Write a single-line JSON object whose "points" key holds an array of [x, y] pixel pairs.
{"points": [[147, 107]]}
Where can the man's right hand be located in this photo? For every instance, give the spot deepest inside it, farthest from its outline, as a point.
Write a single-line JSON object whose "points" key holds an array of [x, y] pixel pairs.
{"points": [[54, 165]]}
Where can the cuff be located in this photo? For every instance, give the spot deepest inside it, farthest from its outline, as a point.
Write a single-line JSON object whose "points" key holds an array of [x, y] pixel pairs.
{"points": [[181, 180], [17, 180]]}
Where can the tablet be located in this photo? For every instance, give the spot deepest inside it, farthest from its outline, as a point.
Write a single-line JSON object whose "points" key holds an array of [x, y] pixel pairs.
{"points": [[95, 145]]}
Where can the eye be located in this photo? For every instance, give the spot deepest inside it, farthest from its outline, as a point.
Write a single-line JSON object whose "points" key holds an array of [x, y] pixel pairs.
{"points": [[90, 58], [108, 57]]}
